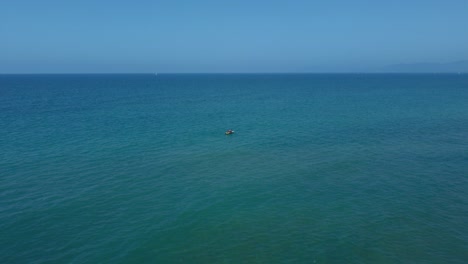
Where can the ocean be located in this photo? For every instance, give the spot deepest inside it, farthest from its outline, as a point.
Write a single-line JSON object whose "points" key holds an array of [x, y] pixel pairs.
{"points": [[322, 168]]}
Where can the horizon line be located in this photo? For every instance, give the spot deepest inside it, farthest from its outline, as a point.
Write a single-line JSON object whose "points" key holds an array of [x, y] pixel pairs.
{"points": [[221, 73]]}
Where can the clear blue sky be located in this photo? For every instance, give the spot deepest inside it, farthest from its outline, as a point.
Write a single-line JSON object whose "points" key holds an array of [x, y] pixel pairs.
{"points": [[228, 36]]}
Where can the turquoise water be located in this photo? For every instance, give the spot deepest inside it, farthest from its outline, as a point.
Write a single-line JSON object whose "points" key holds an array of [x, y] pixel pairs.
{"points": [[322, 168]]}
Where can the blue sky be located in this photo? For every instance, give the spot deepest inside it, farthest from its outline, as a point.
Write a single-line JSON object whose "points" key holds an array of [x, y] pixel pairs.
{"points": [[228, 36]]}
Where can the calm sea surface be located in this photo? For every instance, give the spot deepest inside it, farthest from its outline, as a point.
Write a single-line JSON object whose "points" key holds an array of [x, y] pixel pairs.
{"points": [[323, 168]]}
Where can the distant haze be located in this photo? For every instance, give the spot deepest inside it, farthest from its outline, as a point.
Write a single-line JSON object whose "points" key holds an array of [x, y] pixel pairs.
{"points": [[163, 36], [459, 66]]}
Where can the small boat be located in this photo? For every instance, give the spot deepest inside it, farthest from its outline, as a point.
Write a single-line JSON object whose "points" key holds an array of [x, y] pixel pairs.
{"points": [[229, 132]]}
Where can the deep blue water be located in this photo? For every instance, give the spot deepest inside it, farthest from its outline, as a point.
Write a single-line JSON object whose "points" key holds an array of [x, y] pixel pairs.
{"points": [[323, 168]]}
